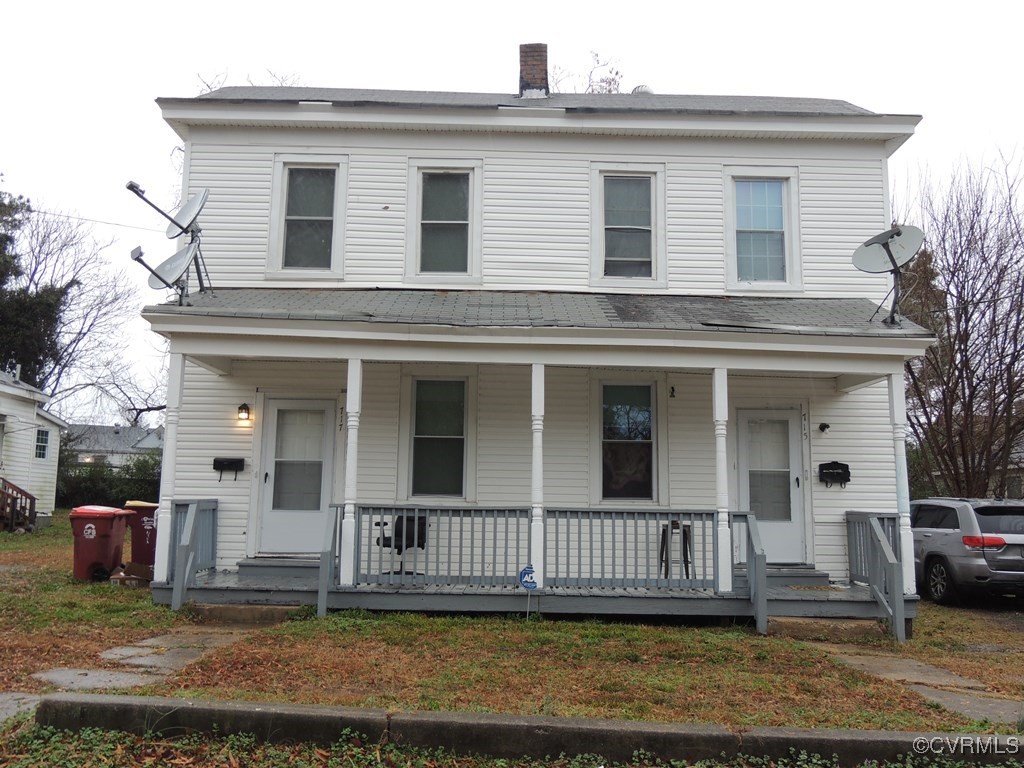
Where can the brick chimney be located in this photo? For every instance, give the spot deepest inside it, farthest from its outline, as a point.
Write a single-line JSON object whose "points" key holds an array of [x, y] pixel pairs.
{"points": [[533, 70]]}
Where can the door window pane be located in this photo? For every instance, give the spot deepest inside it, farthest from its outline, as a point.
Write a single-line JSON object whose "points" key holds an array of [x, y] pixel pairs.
{"points": [[298, 460], [444, 222], [627, 446], [627, 226], [760, 229], [769, 469], [309, 218], [439, 438]]}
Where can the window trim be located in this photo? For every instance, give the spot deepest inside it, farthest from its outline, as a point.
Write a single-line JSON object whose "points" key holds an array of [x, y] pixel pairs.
{"points": [[406, 430], [659, 242], [789, 175], [279, 198], [45, 444], [658, 381], [474, 256]]}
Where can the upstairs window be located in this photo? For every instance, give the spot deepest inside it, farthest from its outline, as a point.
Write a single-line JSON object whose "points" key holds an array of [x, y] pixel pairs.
{"points": [[309, 218], [762, 228], [628, 233], [444, 222], [308, 211], [42, 443]]}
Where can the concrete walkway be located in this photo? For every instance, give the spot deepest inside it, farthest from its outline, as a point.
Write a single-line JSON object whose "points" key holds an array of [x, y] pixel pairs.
{"points": [[958, 694]]}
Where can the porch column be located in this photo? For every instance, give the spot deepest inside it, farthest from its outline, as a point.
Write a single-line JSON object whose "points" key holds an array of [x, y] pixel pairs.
{"points": [[164, 531], [898, 416], [537, 476], [720, 401], [353, 405]]}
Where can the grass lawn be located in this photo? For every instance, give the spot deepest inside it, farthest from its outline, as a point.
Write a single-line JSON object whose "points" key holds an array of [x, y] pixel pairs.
{"points": [[605, 669]]}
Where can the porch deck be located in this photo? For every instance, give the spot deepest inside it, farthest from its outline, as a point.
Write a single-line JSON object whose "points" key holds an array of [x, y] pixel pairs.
{"points": [[229, 587]]}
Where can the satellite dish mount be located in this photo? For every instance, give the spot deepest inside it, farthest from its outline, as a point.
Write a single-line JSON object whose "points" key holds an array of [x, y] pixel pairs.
{"points": [[889, 251], [173, 272]]}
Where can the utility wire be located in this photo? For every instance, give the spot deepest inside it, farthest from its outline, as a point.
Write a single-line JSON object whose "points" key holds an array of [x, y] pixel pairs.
{"points": [[95, 221]]}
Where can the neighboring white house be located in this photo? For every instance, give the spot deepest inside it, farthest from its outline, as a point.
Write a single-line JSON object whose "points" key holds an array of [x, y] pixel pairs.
{"points": [[29, 444], [113, 445], [553, 327]]}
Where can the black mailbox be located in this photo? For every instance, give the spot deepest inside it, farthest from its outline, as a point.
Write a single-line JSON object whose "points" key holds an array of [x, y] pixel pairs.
{"points": [[834, 472], [228, 465]]}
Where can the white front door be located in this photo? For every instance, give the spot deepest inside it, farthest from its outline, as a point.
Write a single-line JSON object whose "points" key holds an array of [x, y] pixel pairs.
{"points": [[298, 458], [770, 468]]}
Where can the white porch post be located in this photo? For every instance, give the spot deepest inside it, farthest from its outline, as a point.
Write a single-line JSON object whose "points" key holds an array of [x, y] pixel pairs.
{"points": [[537, 476], [353, 405], [172, 414], [898, 415], [720, 401]]}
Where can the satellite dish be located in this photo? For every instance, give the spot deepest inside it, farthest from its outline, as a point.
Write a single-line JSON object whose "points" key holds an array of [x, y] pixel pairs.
{"points": [[184, 220], [171, 270], [887, 252]]}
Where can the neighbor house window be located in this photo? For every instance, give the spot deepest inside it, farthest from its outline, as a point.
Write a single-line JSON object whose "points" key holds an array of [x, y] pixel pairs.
{"points": [[439, 438], [761, 233], [628, 233], [627, 441], [444, 220], [42, 443], [308, 202]]}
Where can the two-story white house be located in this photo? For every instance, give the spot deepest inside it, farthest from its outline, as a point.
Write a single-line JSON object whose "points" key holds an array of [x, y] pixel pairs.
{"points": [[609, 336]]}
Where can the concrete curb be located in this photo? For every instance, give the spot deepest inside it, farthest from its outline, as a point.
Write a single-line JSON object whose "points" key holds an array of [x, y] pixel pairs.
{"points": [[508, 736]]}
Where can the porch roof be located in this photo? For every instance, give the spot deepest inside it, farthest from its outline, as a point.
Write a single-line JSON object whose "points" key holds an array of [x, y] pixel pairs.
{"points": [[544, 309]]}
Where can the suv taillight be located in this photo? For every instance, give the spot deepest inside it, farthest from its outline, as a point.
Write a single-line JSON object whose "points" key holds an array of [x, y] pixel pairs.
{"points": [[978, 543]]}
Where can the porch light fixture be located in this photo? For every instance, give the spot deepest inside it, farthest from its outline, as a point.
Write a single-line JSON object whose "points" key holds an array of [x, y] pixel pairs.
{"points": [[243, 412], [823, 427]]}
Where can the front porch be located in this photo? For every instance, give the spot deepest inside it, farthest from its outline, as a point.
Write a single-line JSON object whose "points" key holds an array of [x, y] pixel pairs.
{"points": [[595, 562]]}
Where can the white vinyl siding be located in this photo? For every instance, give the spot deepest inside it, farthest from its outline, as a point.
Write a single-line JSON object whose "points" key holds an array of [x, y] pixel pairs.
{"points": [[536, 222]]}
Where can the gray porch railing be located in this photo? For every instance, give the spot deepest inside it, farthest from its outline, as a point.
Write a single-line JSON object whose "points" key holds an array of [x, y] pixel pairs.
{"points": [[194, 544], [752, 555], [630, 548], [873, 541], [328, 576], [407, 545]]}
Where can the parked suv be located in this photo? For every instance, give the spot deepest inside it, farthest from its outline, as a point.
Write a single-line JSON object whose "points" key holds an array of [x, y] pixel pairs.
{"points": [[963, 545]]}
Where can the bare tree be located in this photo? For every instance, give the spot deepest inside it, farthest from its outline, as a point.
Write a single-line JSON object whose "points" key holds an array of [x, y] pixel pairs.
{"points": [[966, 394], [602, 77], [56, 250]]}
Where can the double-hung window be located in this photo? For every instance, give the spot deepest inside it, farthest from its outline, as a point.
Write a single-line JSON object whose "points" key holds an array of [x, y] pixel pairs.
{"points": [[627, 441], [628, 231], [628, 241], [42, 443], [439, 437], [761, 232], [444, 221], [307, 226]]}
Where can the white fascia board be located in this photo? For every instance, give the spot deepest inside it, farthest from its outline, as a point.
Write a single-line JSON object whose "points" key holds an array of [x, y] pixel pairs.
{"points": [[55, 420], [886, 128], [256, 339]]}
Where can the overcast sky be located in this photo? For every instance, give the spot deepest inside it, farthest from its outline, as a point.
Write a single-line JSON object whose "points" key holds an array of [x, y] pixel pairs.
{"points": [[79, 120]]}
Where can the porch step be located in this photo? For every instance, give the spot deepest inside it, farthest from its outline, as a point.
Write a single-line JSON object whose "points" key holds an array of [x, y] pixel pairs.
{"points": [[243, 615], [264, 568], [796, 576], [835, 630]]}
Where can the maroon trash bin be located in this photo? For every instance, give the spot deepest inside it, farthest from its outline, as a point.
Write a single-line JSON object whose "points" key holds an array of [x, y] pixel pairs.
{"points": [[143, 526], [99, 540]]}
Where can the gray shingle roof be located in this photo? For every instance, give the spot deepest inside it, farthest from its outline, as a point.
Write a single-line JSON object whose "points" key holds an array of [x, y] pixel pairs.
{"points": [[100, 438], [542, 309], [577, 102]]}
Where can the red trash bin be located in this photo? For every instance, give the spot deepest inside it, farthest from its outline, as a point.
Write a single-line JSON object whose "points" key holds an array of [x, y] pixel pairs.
{"points": [[143, 526], [99, 540]]}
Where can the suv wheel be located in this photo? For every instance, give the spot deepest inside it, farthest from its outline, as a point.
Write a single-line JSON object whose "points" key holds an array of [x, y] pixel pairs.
{"points": [[938, 582]]}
